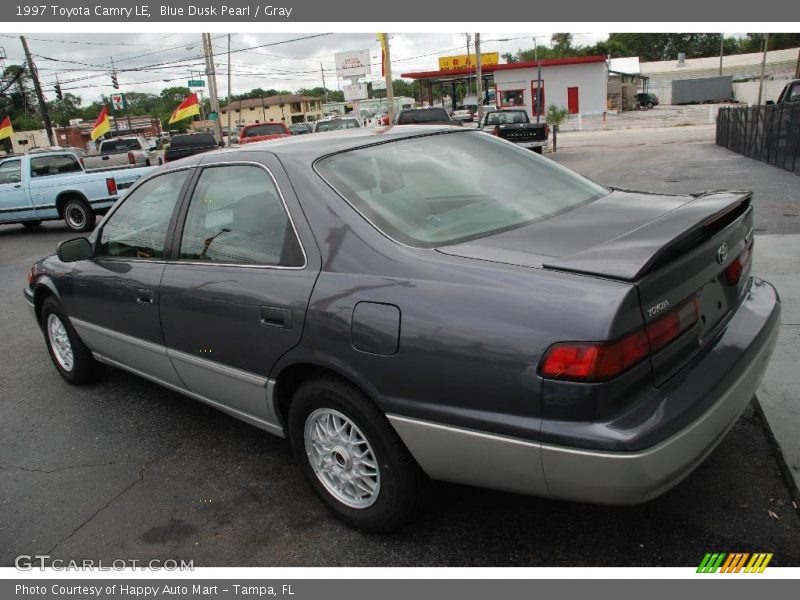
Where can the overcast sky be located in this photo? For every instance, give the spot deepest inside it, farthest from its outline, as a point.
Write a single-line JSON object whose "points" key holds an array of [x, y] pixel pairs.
{"points": [[82, 62]]}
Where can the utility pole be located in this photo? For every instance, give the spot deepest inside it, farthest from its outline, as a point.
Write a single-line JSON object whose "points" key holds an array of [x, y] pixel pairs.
{"points": [[212, 81], [469, 37], [39, 95], [721, 51], [478, 78], [387, 75], [763, 64], [538, 80], [324, 89], [230, 131]]}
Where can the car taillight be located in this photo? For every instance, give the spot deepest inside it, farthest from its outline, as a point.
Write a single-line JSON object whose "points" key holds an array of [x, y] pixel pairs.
{"points": [[131, 158], [599, 361], [669, 327], [546, 131], [496, 131], [111, 185], [733, 272]]}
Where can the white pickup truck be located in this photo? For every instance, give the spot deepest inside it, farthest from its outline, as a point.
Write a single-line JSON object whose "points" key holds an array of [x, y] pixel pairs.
{"points": [[45, 186], [127, 151]]}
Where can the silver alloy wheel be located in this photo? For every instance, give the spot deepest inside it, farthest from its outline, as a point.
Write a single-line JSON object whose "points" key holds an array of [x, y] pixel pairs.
{"points": [[59, 342], [76, 216], [341, 457]]}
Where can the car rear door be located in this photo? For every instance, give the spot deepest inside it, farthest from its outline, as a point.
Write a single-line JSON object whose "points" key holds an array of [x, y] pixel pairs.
{"points": [[235, 290], [15, 203]]}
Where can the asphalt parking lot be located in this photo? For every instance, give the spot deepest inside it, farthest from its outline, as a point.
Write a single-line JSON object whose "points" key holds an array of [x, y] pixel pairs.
{"points": [[126, 469]]}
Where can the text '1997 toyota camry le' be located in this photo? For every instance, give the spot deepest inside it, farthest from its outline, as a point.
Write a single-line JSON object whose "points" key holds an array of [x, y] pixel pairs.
{"points": [[425, 303]]}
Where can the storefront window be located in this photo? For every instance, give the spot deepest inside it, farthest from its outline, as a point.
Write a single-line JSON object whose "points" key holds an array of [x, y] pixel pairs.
{"points": [[512, 97]]}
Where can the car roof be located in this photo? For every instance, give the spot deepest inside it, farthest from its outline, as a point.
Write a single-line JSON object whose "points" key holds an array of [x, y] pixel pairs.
{"points": [[310, 148]]}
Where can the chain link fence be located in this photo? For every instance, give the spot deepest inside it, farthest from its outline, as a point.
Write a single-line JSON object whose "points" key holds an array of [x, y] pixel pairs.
{"points": [[770, 134]]}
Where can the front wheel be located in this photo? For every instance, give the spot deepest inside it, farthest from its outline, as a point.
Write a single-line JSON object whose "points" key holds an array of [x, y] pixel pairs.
{"points": [[71, 357], [78, 216], [353, 459]]}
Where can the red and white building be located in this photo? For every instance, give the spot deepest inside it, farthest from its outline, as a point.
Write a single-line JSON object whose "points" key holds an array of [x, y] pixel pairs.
{"points": [[579, 84]]}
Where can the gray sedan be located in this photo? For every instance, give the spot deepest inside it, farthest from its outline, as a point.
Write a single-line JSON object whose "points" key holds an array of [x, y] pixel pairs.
{"points": [[425, 303]]}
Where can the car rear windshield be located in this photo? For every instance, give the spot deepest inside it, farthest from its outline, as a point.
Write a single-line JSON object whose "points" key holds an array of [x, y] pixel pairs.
{"points": [[117, 146], [194, 140], [506, 117], [258, 130], [337, 124], [423, 115], [447, 188]]}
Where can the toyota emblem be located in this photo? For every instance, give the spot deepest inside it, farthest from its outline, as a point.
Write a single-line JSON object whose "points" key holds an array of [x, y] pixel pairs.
{"points": [[722, 253]]}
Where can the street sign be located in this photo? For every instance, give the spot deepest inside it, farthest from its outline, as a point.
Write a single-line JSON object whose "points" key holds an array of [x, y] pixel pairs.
{"points": [[462, 61], [352, 64], [212, 116], [118, 102], [378, 84], [197, 83], [355, 91]]}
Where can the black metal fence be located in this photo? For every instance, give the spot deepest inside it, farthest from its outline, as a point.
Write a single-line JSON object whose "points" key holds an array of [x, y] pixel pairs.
{"points": [[770, 134]]}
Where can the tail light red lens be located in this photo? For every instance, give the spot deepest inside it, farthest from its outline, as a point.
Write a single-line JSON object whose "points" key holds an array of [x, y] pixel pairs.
{"points": [[733, 272], [599, 361], [131, 158], [111, 186], [496, 131], [547, 131]]}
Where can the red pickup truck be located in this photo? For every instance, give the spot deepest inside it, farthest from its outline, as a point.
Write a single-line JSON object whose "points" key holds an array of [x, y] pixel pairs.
{"points": [[263, 131]]}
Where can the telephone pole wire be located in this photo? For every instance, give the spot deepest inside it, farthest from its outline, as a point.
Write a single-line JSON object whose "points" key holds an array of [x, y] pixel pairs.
{"points": [[39, 95]]}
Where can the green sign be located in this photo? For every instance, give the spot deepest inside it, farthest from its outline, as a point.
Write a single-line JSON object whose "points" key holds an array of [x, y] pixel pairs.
{"points": [[212, 116], [197, 83]]}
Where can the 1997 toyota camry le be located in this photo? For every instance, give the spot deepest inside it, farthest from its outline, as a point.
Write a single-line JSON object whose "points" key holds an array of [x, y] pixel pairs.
{"points": [[426, 302]]}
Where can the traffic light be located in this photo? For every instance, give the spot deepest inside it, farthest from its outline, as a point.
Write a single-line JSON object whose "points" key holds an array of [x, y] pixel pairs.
{"points": [[114, 81], [59, 95]]}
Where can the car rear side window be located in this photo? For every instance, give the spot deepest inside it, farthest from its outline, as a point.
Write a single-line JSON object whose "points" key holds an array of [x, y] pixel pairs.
{"points": [[55, 164], [447, 188], [236, 216], [10, 171], [258, 130], [138, 228]]}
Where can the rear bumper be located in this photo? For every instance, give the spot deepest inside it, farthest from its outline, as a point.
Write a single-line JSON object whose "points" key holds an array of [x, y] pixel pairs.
{"points": [[625, 477], [536, 144]]}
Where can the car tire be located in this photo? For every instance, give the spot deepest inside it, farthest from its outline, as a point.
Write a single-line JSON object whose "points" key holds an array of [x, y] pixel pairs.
{"points": [[649, 105], [538, 149], [78, 216], [71, 357], [31, 224], [341, 439]]}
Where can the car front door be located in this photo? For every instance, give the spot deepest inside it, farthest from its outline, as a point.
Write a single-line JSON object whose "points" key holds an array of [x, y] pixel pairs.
{"points": [[15, 204], [234, 294], [114, 300]]}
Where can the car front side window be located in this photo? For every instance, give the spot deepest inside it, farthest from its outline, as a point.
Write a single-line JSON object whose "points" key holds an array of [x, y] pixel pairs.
{"points": [[236, 216], [138, 228]]}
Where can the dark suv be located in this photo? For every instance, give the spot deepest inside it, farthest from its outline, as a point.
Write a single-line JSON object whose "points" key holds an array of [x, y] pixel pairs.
{"points": [[424, 116], [189, 144]]}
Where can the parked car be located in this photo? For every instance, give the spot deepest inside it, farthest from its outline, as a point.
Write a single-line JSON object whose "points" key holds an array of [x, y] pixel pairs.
{"points": [[433, 115], [189, 144], [301, 128], [513, 124], [646, 101], [335, 124], [261, 132], [133, 151], [790, 94], [435, 303], [44, 186], [465, 114]]}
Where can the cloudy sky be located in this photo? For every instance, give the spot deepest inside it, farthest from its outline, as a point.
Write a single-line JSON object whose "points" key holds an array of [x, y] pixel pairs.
{"points": [[150, 62]]}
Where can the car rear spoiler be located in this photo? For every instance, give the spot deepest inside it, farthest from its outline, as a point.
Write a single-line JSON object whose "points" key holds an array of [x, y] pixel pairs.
{"points": [[644, 249]]}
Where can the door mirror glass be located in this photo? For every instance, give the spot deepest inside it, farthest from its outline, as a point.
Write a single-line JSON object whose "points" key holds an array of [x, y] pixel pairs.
{"points": [[74, 250]]}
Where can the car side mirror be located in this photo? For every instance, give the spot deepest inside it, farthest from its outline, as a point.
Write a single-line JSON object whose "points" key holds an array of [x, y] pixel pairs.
{"points": [[74, 250]]}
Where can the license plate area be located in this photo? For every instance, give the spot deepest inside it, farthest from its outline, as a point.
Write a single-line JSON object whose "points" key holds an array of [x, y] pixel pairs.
{"points": [[714, 305]]}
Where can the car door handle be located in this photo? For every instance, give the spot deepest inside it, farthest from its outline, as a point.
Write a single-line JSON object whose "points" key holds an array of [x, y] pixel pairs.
{"points": [[275, 316], [144, 296]]}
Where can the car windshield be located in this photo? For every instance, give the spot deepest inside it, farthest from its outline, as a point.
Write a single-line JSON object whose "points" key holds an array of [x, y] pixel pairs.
{"points": [[447, 188], [337, 124], [116, 146], [258, 130], [422, 115]]}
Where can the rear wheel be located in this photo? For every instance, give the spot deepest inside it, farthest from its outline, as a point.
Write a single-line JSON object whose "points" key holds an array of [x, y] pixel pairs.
{"points": [[71, 357], [352, 457], [78, 216], [31, 224]]}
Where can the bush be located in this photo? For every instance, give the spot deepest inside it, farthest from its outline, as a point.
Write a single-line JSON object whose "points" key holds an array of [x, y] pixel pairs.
{"points": [[556, 115]]}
